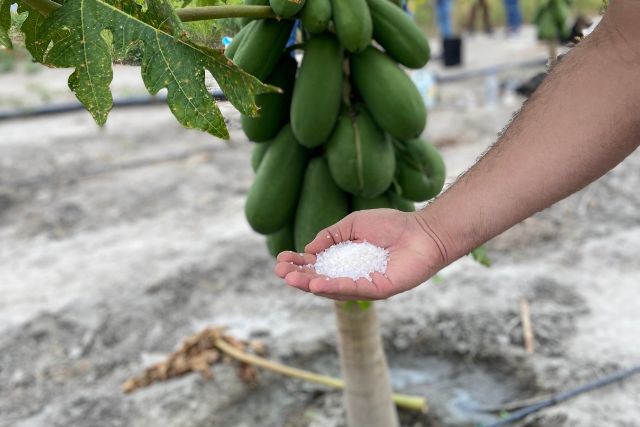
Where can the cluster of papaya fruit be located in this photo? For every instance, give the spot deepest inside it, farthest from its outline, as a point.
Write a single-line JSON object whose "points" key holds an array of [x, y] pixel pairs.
{"points": [[553, 20], [344, 133]]}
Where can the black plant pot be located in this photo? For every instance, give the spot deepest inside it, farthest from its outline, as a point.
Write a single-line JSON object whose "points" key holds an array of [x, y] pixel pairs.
{"points": [[452, 51]]}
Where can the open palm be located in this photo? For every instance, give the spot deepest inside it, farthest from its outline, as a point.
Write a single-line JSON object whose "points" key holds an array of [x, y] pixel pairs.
{"points": [[414, 256]]}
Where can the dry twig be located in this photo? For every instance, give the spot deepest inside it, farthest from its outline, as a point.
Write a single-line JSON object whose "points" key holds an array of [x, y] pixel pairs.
{"points": [[527, 330], [198, 352]]}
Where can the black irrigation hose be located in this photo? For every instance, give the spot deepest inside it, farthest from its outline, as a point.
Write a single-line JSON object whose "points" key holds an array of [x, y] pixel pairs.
{"points": [[566, 395], [491, 70], [70, 107], [141, 101]]}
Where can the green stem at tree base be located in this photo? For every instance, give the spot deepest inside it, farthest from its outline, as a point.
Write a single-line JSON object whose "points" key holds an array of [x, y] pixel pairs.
{"points": [[46, 7], [414, 403]]}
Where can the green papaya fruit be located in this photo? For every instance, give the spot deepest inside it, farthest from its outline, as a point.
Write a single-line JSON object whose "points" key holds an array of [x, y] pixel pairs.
{"points": [[317, 91], [315, 15], [262, 47], [398, 34], [393, 100], [281, 240], [400, 203], [231, 50], [420, 170], [273, 197], [245, 21], [286, 8], [321, 204], [257, 154], [352, 21], [364, 203], [388, 199], [274, 107], [360, 155]]}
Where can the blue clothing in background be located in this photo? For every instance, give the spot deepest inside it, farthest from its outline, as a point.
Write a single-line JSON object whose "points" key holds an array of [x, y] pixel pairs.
{"points": [[293, 37], [443, 13], [514, 16]]}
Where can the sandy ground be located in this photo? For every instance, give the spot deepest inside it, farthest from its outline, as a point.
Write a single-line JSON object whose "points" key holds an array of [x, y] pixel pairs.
{"points": [[115, 243]]}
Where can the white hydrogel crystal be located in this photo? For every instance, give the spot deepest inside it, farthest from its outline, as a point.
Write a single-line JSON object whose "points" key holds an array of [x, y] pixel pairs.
{"points": [[351, 259]]}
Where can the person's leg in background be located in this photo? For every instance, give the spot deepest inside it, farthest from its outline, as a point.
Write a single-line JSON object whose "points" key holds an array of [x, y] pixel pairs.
{"points": [[471, 24], [443, 13], [486, 18], [514, 16]]}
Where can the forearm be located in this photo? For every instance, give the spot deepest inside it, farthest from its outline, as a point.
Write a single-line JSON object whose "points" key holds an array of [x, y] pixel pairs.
{"points": [[579, 124]]}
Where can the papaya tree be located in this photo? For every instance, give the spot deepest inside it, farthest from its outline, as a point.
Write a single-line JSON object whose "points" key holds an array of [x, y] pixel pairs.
{"points": [[343, 136], [336, 133]]}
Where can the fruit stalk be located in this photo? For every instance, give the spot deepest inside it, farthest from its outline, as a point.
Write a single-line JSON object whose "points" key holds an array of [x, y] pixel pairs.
{"points": [[202, 13]]}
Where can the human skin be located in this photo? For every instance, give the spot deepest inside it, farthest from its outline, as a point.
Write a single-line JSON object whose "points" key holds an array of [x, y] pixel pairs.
{"points": [[580, 123]]}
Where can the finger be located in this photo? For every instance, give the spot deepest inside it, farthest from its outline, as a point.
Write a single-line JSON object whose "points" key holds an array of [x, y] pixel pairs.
{"points": [[337, 233], [345, 287], [384, 285], [296, 258], [300, 279], [284, 268]]}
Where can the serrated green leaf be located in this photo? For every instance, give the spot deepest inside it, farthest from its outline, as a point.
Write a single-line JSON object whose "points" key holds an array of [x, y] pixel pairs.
{"points": [[5, 23], [30, 28], [75, 36]]}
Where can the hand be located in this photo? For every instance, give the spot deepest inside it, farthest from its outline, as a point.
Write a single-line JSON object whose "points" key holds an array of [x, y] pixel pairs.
{"points": [[414, 256]]}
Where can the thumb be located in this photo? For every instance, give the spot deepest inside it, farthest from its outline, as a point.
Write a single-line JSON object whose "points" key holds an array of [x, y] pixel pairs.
{"points": [[339, 232]]}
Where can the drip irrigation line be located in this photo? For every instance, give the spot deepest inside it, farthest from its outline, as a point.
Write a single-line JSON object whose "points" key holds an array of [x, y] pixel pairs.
{"points": [[71, 107], [566, 395], [491, 70], [143, 101]]}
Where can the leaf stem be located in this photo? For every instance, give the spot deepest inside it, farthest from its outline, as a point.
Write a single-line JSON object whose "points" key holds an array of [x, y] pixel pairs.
{"points": [[414, 403], [228, 11], [46, 7]]}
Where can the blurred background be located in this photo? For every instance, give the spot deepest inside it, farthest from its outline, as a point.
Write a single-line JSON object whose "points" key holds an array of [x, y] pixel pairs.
{"points": [[118, 242]]}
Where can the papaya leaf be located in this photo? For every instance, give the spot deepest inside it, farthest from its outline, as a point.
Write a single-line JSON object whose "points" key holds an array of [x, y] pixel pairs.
{"points": [[30, 28], [88, 34], [5, 23]]}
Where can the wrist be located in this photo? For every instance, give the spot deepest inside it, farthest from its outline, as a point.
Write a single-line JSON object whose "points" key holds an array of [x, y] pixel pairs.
{"points": [[435, 237]]}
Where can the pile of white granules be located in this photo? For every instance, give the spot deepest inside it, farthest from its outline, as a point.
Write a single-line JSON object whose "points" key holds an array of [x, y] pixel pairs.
{"points": [[351, 259]]}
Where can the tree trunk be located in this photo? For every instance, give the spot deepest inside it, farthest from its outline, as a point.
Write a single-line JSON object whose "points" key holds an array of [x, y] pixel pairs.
{"points": [[364, 368]]}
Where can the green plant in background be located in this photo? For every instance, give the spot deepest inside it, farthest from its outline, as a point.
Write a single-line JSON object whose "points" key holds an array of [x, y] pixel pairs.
{"points": [[553, 21], [425, 13]]}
